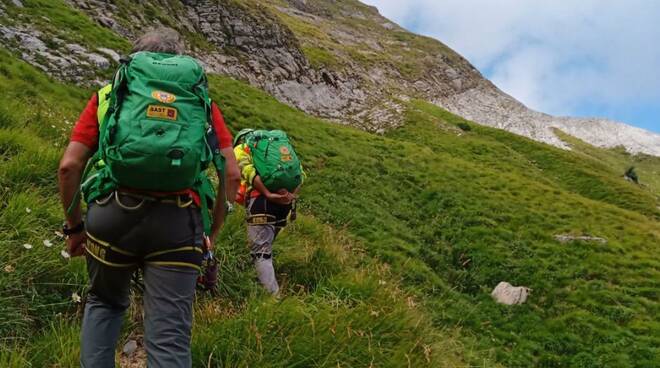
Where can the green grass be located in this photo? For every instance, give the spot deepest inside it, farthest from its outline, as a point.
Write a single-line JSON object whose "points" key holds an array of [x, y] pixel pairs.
{"points": [[618, 161], [340, 307], [454, 214], [402, 239]]}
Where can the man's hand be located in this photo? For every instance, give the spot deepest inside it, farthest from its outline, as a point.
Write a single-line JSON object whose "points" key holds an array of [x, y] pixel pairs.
{"points": [[75, 244], [209, 242], [69, 173], [282, 197]]}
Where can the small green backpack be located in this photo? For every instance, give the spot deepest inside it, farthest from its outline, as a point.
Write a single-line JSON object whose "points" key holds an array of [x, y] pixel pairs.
{"points": [[154, 135], [275, 159]]}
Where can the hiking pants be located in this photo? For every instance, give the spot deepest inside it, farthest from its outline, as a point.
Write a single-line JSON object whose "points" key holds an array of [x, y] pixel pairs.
{"points": [[265, 220], [161, 238]]}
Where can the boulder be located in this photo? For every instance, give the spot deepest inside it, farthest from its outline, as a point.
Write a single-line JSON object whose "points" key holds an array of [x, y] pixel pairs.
{"points": [[505, 293]]}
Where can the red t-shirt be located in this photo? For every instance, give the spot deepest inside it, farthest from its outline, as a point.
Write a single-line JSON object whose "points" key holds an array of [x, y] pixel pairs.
{"points": [[86, 131]]}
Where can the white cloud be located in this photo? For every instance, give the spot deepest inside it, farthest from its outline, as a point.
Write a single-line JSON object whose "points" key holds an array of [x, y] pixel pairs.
{"points": [[555, 56]]}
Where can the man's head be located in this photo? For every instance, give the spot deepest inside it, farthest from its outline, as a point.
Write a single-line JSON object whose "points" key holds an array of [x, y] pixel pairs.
{"points": [[240, 137], [162, 39]]}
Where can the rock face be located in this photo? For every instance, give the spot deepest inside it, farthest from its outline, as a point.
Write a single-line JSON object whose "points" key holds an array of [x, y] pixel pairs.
{"points": [[336, 59], [71, 62], [488, 105]]}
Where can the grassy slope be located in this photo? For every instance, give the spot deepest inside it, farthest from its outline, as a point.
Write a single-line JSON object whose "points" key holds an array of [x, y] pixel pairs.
{"points": [[454, 215], [451, 215], [341, 308], [448, 216], [618, 160]]}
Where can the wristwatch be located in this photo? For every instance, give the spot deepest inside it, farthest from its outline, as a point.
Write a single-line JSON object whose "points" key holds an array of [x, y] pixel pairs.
{"points": [[67, 231]]}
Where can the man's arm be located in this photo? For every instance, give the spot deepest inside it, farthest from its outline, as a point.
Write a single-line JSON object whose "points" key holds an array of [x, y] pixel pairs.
{"points": [[219, 213], [69, 174], [232, 174], [279, 198]]}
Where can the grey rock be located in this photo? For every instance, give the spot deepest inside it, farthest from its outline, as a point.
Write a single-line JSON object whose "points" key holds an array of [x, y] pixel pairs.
{"points": [[487, 105], [567, 238], [505, 293], [76, 48], [98, 60], [389, 25], [109, 52], [130, 347]]}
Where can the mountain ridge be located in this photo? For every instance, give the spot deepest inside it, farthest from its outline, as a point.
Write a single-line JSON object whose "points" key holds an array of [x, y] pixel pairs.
{"points": [[339, 60]]}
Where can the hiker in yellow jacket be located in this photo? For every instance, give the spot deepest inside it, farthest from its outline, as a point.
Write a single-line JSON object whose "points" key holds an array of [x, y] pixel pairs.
{"points": [[267, 211]]}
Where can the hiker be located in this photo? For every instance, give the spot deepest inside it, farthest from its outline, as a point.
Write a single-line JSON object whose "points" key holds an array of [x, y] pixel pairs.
{"points": [[149, 138], [271, 176]]}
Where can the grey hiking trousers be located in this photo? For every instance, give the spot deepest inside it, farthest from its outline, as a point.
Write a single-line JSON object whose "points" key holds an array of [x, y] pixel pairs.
{"points": [[153, 237], [265, 221]]}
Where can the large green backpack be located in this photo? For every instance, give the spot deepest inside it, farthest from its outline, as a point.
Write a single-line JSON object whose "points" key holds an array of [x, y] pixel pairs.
{"points": [[154, 134], [275, 159]]}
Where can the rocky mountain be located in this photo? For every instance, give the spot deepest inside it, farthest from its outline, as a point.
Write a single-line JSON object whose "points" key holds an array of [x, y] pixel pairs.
{"points": [[336, 59]]}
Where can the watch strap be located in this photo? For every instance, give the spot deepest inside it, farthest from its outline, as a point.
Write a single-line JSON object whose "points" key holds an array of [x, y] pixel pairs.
{"points": [[66, 230]]}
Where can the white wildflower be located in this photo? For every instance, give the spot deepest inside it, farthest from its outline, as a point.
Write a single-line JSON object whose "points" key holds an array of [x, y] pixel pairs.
{"points": [[9, 268], [27, 246], [65, 254], [59, 234], [47, 243], [75, 297], [28, 210]]}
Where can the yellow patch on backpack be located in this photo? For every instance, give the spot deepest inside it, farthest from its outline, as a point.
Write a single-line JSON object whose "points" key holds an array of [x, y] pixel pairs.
{"points": [[163, 97], [285, 155], [161, 112]]}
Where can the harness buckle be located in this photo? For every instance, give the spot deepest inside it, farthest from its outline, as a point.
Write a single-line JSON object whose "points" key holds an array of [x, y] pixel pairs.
{"points": [[183, 204]]}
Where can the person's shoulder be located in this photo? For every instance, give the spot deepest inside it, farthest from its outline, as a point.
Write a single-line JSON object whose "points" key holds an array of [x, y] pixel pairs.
{"points": [[242, 148]]}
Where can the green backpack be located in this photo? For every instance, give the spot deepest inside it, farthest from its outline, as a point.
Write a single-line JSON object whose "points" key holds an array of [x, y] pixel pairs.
{"points": [[154, 134], [275, 159]]}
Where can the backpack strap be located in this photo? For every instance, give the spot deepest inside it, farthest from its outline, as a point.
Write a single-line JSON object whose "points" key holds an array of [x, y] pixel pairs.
{"points": [[115, 96]]}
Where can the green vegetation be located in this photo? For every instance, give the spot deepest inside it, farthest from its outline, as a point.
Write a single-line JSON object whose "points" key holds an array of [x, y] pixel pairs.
{"points": [[620, 160], [455, 214], [402, 239], [340, 307]]}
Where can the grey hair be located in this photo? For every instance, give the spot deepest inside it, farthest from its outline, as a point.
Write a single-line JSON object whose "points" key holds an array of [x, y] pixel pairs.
{"points": [[162, 39]]}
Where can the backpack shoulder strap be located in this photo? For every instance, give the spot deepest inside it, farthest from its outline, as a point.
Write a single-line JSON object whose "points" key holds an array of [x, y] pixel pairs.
{"points": [[103, 99]]}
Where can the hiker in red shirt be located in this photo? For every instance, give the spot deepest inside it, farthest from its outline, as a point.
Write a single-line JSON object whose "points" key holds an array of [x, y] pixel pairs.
{"points": [[148, 138]]}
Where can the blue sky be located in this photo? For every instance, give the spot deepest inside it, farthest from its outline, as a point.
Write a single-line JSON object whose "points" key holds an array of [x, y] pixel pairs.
{"points": [[597, 58]]}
